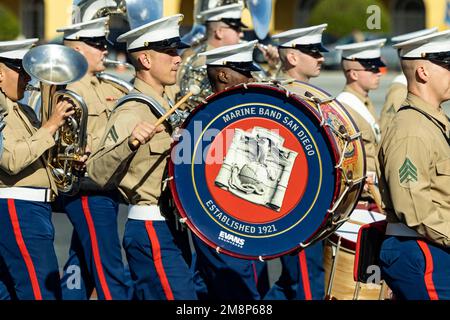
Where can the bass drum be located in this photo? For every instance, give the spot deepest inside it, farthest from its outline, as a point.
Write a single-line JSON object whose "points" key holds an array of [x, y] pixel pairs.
{"points": [[258, 172]]}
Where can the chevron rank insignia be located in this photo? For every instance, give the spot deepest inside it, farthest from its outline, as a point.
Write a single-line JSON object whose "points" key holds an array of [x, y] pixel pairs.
{"points": [[407, 173], [113, 134]]}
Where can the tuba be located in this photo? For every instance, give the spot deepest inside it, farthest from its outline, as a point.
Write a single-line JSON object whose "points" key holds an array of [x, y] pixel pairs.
{"points": [[116, 82], [56, 66]]}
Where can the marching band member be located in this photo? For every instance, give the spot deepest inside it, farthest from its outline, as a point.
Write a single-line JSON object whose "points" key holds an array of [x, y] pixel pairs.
{"points": [[226, 277], [95, 245], [361, 64], [302, 275], [223, 28], [28, 264], [397, 91], [138, 169], [415, 175]]}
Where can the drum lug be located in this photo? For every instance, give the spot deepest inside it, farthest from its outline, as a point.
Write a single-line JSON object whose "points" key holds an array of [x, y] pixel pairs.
{"points": [[164, 182], [182, 220], [303, 245]]}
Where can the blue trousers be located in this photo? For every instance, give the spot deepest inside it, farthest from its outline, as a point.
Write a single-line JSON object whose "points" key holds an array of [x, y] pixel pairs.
{"points": [[95, 257], [415, 269], [225, 277], [28, 264], [302, 276], [157, 261]]}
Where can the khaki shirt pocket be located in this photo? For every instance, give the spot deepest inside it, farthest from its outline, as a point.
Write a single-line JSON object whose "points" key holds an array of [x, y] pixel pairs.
{"points": [[443, 167], [160, 144]]}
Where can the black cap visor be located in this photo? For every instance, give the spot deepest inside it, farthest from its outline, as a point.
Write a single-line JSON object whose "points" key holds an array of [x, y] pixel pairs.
{"points": [[172, 43], [242, 67], [234, 23], [440, 58], [313, 48], [100, 43], [373, 65], [13, 64]]}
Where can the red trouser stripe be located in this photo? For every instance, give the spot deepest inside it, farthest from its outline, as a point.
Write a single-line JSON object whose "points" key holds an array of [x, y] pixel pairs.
{"points": [[255, 274], [157, 258], [429, 284], [304, 274], [95, 251], [23, 249]]}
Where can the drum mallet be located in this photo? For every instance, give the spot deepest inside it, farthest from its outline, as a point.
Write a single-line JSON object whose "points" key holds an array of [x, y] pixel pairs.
{"points": [[193, 91]]}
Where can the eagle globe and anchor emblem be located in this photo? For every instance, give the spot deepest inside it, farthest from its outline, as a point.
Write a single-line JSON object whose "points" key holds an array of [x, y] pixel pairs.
{"points": [[257, 167]]}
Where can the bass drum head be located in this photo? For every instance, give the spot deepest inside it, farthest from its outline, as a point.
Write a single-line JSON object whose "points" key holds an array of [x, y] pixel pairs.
{"points": [[253, 172]]}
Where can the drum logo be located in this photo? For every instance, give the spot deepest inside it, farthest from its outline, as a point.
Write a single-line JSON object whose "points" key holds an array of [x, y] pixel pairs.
{"points": [[253, 172], [257, 167]]}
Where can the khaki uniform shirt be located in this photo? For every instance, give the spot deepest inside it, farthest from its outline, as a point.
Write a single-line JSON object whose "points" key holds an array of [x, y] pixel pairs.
{"points": [[138, 174], [394, 99], [22, 163], [415, 170], [100, 98], [368, 136]]}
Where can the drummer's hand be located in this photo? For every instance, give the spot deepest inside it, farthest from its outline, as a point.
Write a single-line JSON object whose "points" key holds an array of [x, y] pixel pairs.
{"points": [[142, 133], [369, 181], [271, 55]]}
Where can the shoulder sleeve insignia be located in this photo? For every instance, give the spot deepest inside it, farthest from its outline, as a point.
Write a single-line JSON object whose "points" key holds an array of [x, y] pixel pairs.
{"points": [[113, 134], [407, 173]]}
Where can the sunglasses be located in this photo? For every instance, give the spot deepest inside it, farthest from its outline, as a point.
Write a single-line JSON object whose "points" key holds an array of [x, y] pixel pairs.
{"points": [[313, 53], [14, 65], [373, 69], [238, 29], [100, 45]]}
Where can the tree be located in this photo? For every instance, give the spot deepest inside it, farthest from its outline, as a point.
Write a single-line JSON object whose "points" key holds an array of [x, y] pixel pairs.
{"points": [[9, 24], [346, 16]]}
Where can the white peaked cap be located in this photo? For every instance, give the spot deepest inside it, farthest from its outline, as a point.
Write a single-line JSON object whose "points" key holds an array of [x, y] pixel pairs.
{"points": [[302, 36], [16, 49], [362, 50], [418, 47], [239, 53], [90, 29], [231, 11], [155, 31], [412, 35]]}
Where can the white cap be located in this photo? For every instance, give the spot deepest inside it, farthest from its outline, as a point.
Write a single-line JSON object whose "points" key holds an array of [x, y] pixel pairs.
{"points": [[15, 49], [412, 35], [367, 53], [236, 56], [90, 29], [362, 50], [421, 47], [161, 33], [310, 36], [229, 14]]}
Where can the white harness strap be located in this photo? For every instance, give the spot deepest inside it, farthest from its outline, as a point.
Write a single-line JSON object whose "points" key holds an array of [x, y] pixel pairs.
{"points": [[353, 102]]}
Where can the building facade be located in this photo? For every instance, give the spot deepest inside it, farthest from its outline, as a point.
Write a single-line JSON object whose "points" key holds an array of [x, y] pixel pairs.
{"points": [[40, 18]]}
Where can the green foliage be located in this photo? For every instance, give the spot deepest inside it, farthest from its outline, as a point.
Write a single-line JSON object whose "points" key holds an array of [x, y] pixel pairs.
{"points": [[9, 24], [345, 16]]}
